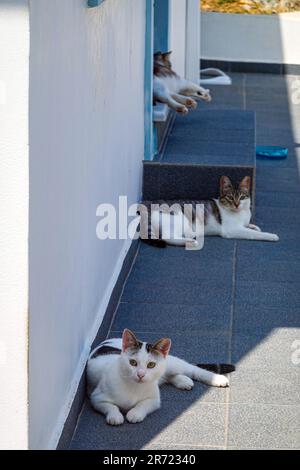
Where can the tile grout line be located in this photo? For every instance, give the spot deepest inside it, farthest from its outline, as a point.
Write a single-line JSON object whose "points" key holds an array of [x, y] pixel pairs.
{"points": [[234, 265], [244, 91]]}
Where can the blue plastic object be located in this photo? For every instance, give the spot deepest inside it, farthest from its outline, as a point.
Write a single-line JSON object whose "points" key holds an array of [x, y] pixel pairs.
{"points": [[272, 152]]}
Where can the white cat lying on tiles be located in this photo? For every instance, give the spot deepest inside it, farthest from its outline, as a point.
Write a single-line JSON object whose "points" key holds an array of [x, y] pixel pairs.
{"points": [[124, 375], [176, 92], [229, 216]]}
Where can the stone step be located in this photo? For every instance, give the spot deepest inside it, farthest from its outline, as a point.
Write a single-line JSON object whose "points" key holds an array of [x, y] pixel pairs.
{"points": [[202, 147]]}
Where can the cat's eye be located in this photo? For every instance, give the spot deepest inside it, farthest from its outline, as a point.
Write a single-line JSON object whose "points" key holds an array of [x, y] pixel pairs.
{"points": [[151, 365], [133, 363]]}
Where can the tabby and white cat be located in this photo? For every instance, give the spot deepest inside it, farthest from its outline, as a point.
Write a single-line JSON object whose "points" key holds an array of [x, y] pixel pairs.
{"points": [[169, 88], [229, 216], [124, 375]]}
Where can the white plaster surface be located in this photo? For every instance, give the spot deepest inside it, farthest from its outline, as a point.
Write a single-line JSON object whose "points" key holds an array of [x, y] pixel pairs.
{"points": [[251, 38], [14, 61], [86, 148]]}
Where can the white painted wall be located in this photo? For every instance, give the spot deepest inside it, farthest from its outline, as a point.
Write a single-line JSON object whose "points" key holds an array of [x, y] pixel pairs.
{"points": [[177, 34], [251, 38], [86, 148], [192, 54], [14, 60]]}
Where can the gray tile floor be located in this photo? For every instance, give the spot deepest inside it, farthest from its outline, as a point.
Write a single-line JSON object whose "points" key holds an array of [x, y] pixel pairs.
{"points": [[233, 301]]}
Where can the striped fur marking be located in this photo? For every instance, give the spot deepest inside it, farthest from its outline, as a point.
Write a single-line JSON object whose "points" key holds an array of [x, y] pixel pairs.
{"points": [[188, 207], [105, 351]]}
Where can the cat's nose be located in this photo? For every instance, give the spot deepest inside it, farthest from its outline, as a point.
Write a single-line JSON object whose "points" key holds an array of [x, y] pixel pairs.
{"points": [[141, 374]]}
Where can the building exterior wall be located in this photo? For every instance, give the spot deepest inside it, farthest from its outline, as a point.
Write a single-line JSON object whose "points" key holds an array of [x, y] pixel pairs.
{"points": [[251, 38], [72, 137], [192, 53], [14, 59], [86, 148], [177, 34]]}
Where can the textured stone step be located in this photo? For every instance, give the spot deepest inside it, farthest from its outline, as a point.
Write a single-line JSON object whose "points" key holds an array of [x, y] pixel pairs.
{"points": [[201, 148]]}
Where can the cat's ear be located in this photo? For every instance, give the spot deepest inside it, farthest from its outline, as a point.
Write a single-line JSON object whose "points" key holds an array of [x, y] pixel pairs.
{"points": [[225, 186], [158, 55], [245, 185], [129, 340], [163, 346], [167, 58]]}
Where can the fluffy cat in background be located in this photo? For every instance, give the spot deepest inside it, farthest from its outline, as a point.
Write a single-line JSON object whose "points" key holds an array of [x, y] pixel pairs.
{"points": [[169, 88], [125, 375], [229, 216]]}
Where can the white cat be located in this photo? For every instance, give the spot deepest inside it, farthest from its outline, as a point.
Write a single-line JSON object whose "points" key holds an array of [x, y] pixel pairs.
{"points": [[125, 375], [229, 216], [173, 90]]}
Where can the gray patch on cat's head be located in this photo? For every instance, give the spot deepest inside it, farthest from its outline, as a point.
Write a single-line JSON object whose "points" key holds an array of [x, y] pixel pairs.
{"points": [[135, 349]]}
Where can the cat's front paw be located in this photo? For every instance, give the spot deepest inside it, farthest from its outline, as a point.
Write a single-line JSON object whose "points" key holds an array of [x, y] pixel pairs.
{"points": [[115, 418], [183, 110], [135, 416], [207, 98], [205, 95], [220, 381], [191, 103], [183, 383]]}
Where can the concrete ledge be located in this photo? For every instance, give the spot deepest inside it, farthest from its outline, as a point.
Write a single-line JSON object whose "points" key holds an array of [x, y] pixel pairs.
{"points": [[160, 112], [201, 148], [251, 67], [184, 181]]}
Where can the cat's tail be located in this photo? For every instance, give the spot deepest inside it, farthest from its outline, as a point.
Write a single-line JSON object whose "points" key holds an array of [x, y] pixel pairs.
{"points": [[218, 368], [155, 243]]}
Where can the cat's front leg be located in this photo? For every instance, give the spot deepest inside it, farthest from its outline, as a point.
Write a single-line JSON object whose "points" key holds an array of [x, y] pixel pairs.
{"points": [[182, 382], [189, 102], [254, 227], [103, 405], [111, 412], [142, 409], [173, 104], [188, 88]]}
